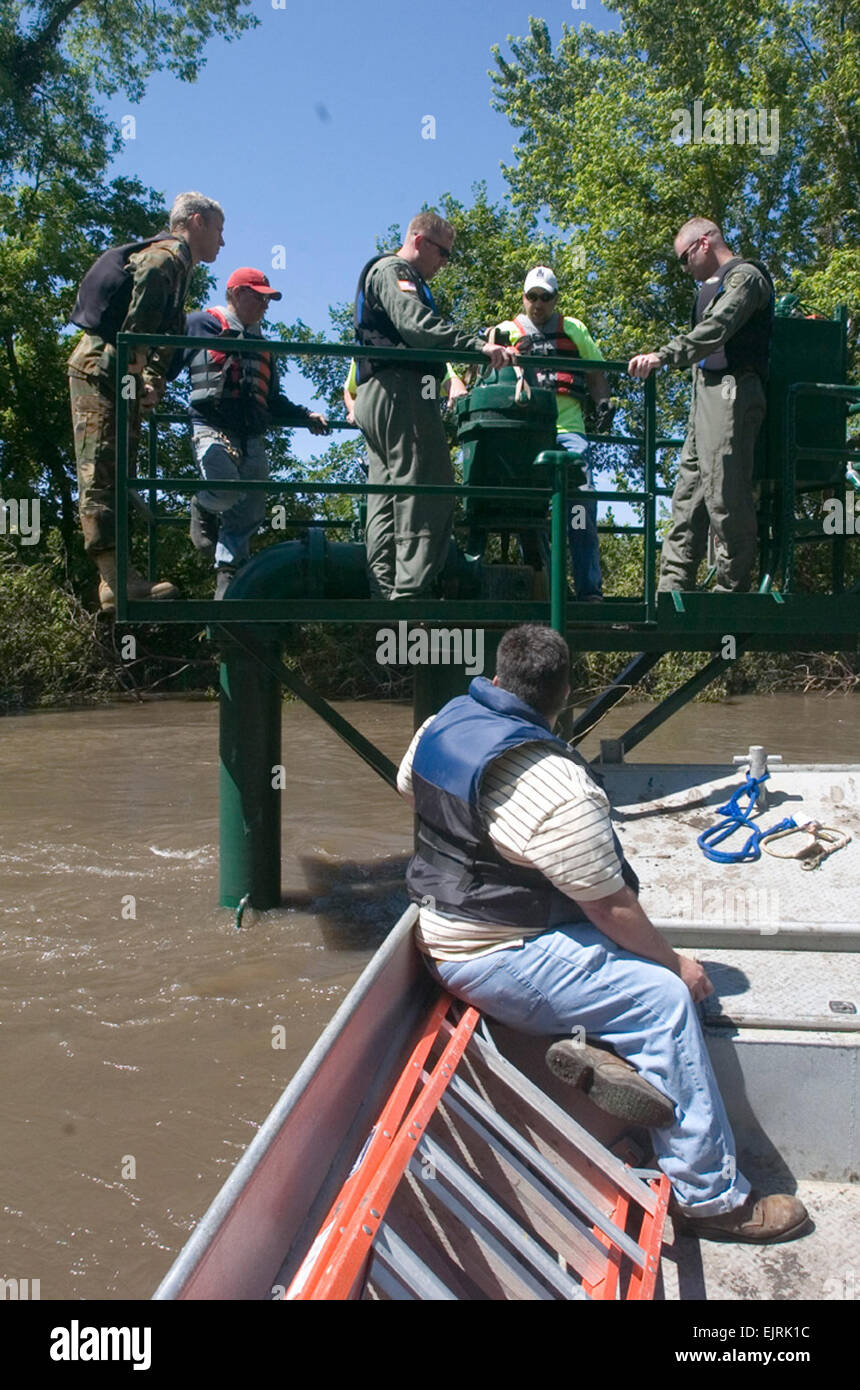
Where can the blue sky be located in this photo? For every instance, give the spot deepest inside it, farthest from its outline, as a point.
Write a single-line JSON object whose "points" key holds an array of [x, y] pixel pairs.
{"points": [[308, 129]]}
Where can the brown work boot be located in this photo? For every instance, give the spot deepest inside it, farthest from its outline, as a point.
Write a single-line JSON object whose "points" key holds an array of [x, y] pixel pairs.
{"points": [[136, 587], [610, 1082], [760, 1221]]}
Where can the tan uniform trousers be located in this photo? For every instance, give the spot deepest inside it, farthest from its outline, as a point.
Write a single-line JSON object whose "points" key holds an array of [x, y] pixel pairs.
{"points": [[407, 538], [715, 483]]}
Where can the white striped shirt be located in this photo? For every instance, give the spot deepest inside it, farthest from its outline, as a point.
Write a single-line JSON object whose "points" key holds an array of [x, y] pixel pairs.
{"points": [[542, 811]]}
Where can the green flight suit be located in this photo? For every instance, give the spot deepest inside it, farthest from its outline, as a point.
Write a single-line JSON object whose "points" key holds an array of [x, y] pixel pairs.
{"points": [[715, 478], [399, 412], [161, 276]]}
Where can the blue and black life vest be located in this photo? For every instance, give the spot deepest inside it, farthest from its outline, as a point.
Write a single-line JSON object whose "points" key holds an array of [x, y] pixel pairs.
{"points": [[456, 863], [374, 327], [105, 291], [749, 348]]}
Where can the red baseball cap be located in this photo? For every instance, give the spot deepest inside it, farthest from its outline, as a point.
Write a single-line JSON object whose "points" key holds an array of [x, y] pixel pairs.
{"points": [[254, 279]]}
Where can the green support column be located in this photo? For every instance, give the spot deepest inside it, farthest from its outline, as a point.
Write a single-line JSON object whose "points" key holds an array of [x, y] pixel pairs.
{"points": [[250, 806]]}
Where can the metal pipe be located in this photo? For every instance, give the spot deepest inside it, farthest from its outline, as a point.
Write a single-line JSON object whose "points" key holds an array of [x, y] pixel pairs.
{"points": [[249, 793], [270, 661], [723, 936], [817, 1023], [650, 547], [121, 470], [558, 577]]}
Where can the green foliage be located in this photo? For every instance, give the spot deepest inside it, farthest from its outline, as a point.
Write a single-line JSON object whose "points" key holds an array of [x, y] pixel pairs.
{"points": [[55, 54], [596, 155], [48, 651], [341, 461]]}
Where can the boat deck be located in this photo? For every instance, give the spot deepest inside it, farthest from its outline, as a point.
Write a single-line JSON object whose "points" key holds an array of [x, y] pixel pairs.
{"points": [[781, 946], [821, 1265], [783, 1029], [661, 809]]}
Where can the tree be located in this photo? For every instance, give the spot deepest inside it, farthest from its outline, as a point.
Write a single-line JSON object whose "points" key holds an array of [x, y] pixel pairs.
{"points": [[57, 207], [55, 54], [603, 157]]}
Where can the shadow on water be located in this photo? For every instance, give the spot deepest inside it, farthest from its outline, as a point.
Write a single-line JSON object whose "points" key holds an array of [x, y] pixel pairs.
{"points": [[355, 904]]}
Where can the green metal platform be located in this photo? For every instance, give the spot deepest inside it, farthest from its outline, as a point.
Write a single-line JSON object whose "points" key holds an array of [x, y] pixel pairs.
{"points": [[313, 579]]}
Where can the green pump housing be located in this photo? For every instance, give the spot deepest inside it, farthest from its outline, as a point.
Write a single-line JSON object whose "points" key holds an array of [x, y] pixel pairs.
{"points": [[501, 436], [805, 349]]}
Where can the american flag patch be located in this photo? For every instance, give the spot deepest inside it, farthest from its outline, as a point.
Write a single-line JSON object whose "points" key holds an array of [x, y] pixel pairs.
{"points": [[407, 285]]}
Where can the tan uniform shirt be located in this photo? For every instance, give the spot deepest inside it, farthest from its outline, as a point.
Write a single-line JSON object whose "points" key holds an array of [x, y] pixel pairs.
{"points": [[745, 290]]}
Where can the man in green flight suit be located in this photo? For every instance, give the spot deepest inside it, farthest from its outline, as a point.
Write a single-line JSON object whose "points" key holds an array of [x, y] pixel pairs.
{"points": [[398, 409], [139, 288], [728, 346]]}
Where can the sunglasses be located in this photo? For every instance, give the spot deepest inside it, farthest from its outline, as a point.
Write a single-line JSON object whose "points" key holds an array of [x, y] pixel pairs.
{"points": [[685, 255], [444, 251], [539, 296]]}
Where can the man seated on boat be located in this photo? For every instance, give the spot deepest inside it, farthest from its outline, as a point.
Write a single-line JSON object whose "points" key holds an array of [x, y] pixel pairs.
{"points": [[529, 912]]}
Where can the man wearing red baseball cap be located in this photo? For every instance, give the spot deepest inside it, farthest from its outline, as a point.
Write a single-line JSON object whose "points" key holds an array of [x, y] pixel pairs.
{"points": [[235, 397]]}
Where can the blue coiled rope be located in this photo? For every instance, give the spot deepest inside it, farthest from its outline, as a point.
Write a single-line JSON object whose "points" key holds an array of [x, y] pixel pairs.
{"points": [[735, 818]]}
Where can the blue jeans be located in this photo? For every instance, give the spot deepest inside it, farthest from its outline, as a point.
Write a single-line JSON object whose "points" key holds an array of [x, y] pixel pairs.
{"points": [[576, 976], [221, 456], [583, 538]]}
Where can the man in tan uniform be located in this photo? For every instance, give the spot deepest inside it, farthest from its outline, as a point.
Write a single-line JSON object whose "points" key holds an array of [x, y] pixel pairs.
{"points": [[727, 345], [140, 290], [398, 408]]}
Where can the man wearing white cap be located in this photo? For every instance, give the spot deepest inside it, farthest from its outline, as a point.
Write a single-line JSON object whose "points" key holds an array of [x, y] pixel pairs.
{"points": [[234, 399], [540, 330]]}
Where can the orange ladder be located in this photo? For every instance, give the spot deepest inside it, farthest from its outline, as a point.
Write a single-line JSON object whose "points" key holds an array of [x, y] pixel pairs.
{"points": [[596, 1256]]}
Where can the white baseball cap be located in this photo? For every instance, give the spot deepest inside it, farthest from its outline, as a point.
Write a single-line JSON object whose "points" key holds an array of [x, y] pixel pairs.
{"points": [[541, 278]]}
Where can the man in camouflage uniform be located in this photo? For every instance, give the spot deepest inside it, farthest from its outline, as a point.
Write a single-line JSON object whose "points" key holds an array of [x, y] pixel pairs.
{"points": [[398, 409], [160, 275], [727, 346]]}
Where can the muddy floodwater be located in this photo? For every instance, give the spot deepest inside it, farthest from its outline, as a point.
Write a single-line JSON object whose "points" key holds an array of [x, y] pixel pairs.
{"points": [[137, 1023]]}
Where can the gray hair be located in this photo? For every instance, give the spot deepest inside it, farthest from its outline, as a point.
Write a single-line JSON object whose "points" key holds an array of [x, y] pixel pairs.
{"points": [[186, 204]]}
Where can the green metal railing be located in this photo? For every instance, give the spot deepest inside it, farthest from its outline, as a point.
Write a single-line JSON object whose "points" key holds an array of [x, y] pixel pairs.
{"points": [[557, 495], [683, 621]]}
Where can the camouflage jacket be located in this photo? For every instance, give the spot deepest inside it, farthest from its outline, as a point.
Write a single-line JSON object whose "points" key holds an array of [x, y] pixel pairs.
{"points": [[162, 273]]}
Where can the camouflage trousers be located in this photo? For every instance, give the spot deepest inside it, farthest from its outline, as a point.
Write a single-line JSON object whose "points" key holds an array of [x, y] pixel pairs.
{"points": [[94, 421]]}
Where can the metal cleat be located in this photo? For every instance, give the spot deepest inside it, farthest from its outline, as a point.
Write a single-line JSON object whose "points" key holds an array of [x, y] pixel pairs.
{"points": [[757, 759]]}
